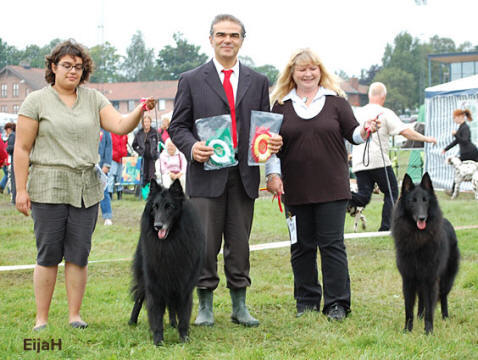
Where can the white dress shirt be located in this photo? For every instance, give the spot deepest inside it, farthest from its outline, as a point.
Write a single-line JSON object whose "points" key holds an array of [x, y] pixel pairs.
{"points": [[234, 76]]}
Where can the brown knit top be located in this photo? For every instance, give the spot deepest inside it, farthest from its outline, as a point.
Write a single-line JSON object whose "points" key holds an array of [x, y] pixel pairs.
{"points": [[313, 156]]}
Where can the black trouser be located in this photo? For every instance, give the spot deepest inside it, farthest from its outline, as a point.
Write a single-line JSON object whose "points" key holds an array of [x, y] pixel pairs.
{"points": [[320, 225], [366, 180], [229, 215]]}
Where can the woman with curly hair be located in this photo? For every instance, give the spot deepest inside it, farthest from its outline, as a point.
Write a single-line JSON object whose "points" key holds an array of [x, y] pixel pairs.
{"points": [[56, 150]]}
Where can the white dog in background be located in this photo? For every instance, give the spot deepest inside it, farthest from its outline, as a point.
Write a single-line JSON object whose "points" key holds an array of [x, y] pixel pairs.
{"points": [[474, 183], [464, 171], [356, 212]]}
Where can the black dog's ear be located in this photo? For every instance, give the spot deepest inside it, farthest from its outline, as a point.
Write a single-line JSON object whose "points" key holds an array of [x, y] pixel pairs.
{"points": [[427, 182], [407, 184], [154, 186], [176, 189]]}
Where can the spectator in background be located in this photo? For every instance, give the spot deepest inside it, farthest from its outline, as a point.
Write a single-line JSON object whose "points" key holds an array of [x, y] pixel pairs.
{"points": [[105, 150], [145, 143], [10, 130], [172, 164], [163, 130], [3, 164], [120, 150], [468, 150], [368, 165]]}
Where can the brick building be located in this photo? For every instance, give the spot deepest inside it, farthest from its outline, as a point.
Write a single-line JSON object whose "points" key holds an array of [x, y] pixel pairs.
{"points": [[16, 82], [357, 94]]}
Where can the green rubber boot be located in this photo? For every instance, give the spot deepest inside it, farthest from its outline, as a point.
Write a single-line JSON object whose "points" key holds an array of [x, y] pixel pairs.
{"points": [[240, 314], [205, 316]]}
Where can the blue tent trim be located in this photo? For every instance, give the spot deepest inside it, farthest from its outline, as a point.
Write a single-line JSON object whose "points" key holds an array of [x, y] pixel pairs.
{"points": [[429, 94]]}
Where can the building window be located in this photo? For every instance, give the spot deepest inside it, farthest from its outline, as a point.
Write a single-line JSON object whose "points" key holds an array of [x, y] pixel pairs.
{"points": [[4, 108], [131, 105], [15, 90], [468, 69], [115, 104], [15, 109], [162, 104], [455, 71], [4, 90]]}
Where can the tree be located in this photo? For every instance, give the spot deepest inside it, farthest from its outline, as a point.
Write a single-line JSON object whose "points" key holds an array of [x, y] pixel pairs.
{"points": [[442, 45], [400, 88], [367, 76], [34, 56], [106, 62], [172, 61], [268, 70], [139, 62], [9, 55], [342, 74]]}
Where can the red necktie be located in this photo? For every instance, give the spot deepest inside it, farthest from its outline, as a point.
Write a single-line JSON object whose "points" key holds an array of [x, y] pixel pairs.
{"points": [[230, 98]]}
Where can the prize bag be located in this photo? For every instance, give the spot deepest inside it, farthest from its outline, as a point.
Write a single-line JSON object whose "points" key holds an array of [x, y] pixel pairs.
{"points": [[263, 125], [216, 131]]}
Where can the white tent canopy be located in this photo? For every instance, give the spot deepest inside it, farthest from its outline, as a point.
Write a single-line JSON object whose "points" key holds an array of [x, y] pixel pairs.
{"points": [[440, 102], [468, 85]]}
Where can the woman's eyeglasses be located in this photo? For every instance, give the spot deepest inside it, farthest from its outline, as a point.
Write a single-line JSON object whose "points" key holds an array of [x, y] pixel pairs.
{"points": [[68, 66]]}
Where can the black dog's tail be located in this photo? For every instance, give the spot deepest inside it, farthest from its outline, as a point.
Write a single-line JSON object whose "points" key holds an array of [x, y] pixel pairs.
{"points": [[137, 286]]}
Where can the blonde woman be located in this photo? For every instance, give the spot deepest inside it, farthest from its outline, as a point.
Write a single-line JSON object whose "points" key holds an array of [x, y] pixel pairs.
{"points": [[314, 179]]}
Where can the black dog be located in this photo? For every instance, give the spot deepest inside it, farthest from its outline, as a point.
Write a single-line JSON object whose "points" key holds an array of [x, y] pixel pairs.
{"points": [[427, 251], [168, 259]]}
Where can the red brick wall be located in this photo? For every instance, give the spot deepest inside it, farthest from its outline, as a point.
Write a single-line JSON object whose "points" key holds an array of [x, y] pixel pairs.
{"points": [[11, 101]]}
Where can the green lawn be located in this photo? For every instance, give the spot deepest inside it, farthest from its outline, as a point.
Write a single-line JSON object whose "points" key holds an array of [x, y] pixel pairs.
{"points": [[373, 330]]}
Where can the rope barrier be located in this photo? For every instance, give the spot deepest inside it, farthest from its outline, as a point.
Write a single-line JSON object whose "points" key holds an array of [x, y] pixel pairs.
{"points": [[257, 247]]}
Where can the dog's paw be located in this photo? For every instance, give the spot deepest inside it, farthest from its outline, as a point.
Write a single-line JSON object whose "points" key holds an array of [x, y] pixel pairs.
{"points": [[185, 339], [158, 339]]}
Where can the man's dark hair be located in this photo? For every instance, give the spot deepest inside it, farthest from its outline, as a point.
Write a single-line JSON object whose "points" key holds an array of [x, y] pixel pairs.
{"points": [[227, 17]]}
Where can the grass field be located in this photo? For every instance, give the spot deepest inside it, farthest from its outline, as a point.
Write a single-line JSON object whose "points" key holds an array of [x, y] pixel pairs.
{"points": [[373, 330]]}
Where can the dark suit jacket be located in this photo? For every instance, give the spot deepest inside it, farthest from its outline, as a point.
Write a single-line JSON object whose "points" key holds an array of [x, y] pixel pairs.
{"points": [[200, 95]]}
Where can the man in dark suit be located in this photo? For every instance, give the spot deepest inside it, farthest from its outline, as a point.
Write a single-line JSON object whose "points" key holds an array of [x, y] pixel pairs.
{"points": [[224, 197]]}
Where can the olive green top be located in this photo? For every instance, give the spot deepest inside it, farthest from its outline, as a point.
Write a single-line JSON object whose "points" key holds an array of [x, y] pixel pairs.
{"points": [[65, 150]]}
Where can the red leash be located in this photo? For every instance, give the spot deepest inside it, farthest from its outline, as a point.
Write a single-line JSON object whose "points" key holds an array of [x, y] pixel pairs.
{"points": [[273, 198]]}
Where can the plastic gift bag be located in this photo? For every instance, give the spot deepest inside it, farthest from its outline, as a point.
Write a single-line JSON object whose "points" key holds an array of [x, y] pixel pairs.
{"points": [[263, 126], [102, 177], [216, 131]]}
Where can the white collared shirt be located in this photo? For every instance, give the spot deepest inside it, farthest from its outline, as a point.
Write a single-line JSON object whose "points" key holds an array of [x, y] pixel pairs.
{"points": [[234, 75], [308, 112], [300, 107]]}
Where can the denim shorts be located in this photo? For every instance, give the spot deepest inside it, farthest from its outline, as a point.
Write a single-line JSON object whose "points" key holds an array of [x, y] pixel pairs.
{"points": [[63, 231]]}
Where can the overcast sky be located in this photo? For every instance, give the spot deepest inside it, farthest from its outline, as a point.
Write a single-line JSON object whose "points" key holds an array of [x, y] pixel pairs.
{"points": [[348, 35]]}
